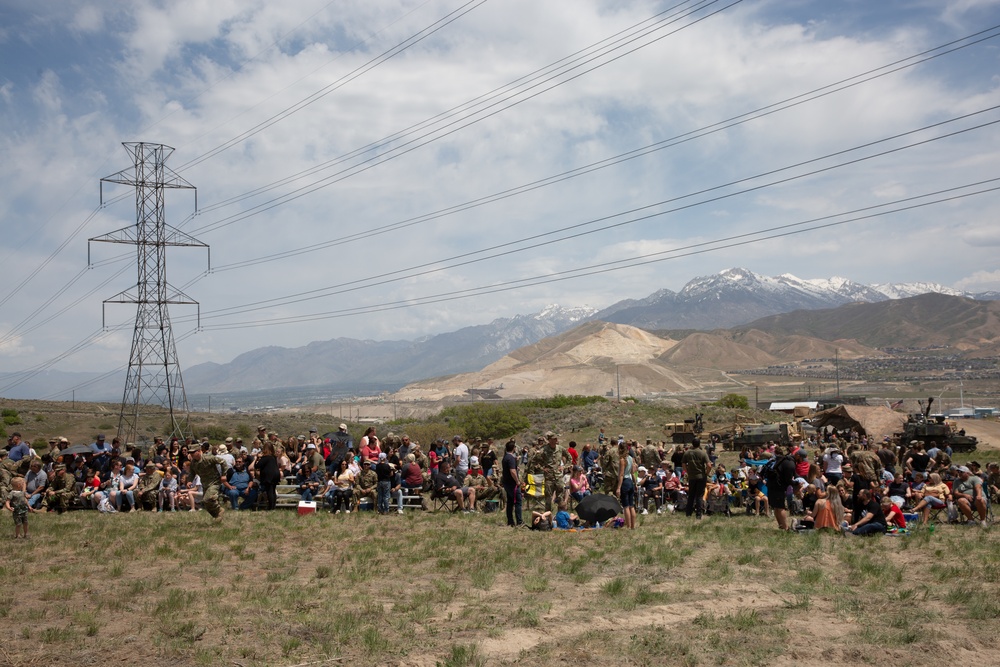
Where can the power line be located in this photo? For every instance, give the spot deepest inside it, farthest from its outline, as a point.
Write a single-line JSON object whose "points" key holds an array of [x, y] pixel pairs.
{"points": [[643, 151], [401, 274], [347, 78], [385, 141], [423, 140], [607, 267]]}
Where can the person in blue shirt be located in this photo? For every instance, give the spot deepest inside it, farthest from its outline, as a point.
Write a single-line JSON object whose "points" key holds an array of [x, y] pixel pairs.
{"points": [[18, 448], [565, 520]]}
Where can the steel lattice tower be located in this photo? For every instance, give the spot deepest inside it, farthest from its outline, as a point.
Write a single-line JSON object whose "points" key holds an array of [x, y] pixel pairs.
{"points": [[154, 373]]}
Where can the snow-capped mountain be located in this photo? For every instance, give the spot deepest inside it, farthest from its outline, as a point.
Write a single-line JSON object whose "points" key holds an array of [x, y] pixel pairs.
{"points": [[737, 296], [904, 290]]}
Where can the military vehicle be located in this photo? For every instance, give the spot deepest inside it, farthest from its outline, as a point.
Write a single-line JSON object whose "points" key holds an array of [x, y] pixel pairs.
{"points": [[935, 430], [684, 432]]}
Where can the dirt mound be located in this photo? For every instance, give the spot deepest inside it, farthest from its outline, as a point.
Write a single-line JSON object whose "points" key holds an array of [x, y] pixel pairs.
{"points": [[713, 351]]}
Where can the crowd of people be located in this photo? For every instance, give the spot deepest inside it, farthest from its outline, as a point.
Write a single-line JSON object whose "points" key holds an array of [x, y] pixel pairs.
{"points": [[836, 483]]}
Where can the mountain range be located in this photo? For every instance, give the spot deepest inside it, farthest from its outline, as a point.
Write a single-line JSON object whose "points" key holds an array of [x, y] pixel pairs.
{"points": [[730, 298]]}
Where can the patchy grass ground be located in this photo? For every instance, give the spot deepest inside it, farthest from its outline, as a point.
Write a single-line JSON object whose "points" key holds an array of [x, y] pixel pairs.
{"points": [[422, 589]]}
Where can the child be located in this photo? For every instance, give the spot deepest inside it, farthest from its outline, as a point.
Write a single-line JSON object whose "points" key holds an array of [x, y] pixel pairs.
{"points": [[565, 520], [168, 490], [17, 503], [541, 521]]}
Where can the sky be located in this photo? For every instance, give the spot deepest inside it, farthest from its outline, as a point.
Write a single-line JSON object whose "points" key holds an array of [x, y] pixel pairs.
{"points": [[395, 169]]}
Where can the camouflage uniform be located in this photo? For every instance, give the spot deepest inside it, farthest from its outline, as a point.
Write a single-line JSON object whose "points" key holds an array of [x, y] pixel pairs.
{"points": [[609, 466], [211, 481], [61, 491], [485, 490], [148, 490], [551, 460], [868, 465], [367, 481], [650, 458]]}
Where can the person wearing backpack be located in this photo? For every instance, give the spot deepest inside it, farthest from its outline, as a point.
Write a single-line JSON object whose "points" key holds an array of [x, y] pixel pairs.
{"points": [[779, 475]]}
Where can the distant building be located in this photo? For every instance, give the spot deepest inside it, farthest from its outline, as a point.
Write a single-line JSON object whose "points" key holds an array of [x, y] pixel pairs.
{"points": [[789, 406]]}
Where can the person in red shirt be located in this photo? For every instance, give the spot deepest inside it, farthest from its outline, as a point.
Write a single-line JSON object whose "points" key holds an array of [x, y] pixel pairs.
{"points": [[893, 515], [370, 448], [801, 462], [572, 451]]}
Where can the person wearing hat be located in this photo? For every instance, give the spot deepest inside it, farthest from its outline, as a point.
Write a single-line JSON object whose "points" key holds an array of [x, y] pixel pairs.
{"points": [[340, 442], [207, 468], [968, 495], [366, 483], [61, 491], [551, 459], [484, 487]]}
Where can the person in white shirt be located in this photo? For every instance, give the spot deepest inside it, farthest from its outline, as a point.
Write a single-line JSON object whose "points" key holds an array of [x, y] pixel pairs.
{"points": [[461, 454]]}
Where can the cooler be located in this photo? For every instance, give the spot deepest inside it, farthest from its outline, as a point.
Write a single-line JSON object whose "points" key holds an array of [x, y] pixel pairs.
{"points": [[307, 507]]}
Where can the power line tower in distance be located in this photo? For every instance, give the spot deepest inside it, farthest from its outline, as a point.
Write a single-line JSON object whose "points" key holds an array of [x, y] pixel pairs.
{"points": [[154, 372]]}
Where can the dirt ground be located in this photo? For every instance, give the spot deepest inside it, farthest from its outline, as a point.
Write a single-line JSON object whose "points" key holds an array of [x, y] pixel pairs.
{"points": [[439, 589]]}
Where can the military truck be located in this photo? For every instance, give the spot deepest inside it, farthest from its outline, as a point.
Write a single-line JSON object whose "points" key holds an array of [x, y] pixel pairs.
{"points": [[935, 430], [684, 432]]}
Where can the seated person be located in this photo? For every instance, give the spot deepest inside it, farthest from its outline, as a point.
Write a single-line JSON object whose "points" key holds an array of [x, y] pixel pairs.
{"points": [[91, 494], [968, 494], [148, 490], [649, 486], [308, 482], [446, 486], [893, 515], [992, 483], [565, 520], [367, 484], [872, 520], [541, 521], [934, 496], [484, 487], [189, 489], [168, 491], [240, 487], [579, 487], [898, 490], [344, 491]]}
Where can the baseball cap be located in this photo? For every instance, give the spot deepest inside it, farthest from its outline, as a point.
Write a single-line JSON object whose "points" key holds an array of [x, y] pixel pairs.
{"points": [[551, 434], [963, 469], [310, 446], [643, 469], [474, 461], [382, 456], [343, 427]]}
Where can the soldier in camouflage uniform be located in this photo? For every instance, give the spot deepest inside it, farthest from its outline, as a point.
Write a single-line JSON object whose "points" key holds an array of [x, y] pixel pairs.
{"points": [[367, 482], [148, 491], [206, 467], [552, 457], [61, 491], [485, 489], [609, 467], [650, 457], [8, 469]]}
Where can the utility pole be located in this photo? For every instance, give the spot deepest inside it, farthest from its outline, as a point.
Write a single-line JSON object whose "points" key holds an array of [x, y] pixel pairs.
{"points": [[618, 382], [837, 363], [154, 372]]}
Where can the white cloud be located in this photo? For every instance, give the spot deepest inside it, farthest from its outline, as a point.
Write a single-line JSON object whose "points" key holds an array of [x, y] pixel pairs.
{"points": [[182, 70], [980, 281]]}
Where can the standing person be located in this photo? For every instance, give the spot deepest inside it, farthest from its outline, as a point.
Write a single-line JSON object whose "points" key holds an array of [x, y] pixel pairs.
{"points": [[460, 451], [205, 466], [268, 474], [551, 458], [17, 503], [696, 465], [778, 480], [384, 473], [511, 485], [626, 484]]}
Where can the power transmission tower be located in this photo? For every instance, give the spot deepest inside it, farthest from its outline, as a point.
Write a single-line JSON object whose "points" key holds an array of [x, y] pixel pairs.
{"points": [[154, 373]]}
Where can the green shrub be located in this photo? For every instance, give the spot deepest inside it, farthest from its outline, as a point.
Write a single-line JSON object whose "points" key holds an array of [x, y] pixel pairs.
{"points": [[737, 401], [215, 432], [485, 420], [561, 401], [10, 417]]}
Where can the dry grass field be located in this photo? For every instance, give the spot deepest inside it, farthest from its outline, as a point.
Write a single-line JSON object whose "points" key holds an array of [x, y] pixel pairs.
{"points": [[440, 589]]}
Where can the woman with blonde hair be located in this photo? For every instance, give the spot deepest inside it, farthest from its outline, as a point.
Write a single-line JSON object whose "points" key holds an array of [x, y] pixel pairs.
{"points": [[935, 496]]}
